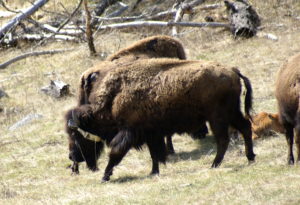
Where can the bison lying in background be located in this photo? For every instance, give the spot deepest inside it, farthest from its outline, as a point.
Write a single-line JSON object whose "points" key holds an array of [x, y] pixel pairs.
{"points": [[265, 124], [152, 47], [145, 100], [287, 94]]}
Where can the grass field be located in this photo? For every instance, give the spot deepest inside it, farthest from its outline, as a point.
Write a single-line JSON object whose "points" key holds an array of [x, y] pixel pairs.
{"points": [[33, 158]]}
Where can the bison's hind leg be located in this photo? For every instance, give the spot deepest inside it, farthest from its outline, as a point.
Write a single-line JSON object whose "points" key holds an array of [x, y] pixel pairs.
{"points": [[244, 127], [158, 152], [290, 141], [220, 131], [170, 147]]}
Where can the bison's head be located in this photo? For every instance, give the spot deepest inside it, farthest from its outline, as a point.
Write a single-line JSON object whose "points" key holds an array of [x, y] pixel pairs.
{"points": [[81, 146], [265, 124]]}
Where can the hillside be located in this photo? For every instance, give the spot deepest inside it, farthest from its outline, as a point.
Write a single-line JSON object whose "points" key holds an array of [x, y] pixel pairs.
{"points": [[34, 157]]}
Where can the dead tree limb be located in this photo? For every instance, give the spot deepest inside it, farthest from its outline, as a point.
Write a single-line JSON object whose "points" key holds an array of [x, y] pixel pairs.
{"points": [[35, 53], [100, 8], [162, 24], [89, 31], [118, 12], [29, 11], [66, 21], [70, 17], [182, 9]]}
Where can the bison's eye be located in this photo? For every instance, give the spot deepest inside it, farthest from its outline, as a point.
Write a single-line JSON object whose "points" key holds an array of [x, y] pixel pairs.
{"points": [[91, 78]]}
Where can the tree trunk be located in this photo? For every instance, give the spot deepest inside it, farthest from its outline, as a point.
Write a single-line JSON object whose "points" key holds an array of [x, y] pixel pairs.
{"points": [[89, 31]]}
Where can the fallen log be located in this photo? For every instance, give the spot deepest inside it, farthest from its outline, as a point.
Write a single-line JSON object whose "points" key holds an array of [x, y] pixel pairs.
{"points": [[35, 53], [243, 18], [162, 23]]}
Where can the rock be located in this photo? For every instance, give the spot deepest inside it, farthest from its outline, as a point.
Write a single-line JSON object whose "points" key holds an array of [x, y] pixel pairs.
{"points": [[3, 94], [56, 89]]}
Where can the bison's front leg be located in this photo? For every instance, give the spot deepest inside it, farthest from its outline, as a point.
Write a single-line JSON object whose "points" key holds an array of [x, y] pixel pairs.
{"points": [[120, 145], [157, 148]]}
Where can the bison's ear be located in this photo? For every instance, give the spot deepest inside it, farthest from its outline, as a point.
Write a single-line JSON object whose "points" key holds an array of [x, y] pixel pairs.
{"points": [[81, 99]]}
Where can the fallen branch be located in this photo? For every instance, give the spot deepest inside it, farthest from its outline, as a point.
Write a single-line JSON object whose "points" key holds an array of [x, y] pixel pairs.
{"points": [[182, 8], [160, 15], [123, 8], [35, 53], [48, 28], [21, 16], [162, 23], [100, 8], [70, 17]]}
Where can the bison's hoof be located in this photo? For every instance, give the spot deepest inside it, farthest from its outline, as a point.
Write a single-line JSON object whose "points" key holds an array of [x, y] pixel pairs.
{"points": [[251, 157], [290, 162], [170, 152], [154, 173], [215, 164], [94, 169], [251, 162], [75, 173], [105, 179]]}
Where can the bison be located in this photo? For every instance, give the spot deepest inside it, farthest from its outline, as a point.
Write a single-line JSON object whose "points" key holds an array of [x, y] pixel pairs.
{"points": [[152, 47], [287, 94], [145, 100]]}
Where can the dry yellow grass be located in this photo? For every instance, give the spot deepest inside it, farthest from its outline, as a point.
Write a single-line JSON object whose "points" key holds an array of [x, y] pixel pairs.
{"points": [[33, 159]]}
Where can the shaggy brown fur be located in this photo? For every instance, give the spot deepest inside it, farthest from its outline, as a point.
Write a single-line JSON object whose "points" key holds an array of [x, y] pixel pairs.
{"points": [[151, 47], [265, 124], [145, 100], [287, 94]]}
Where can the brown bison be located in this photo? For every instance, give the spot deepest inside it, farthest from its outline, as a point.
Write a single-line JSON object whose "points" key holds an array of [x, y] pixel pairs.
{"points": [[151, 47], [265, 124], [145, 100], [287, 94]]}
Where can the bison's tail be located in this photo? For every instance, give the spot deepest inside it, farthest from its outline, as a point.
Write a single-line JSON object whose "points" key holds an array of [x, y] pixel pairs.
{"points": [[248, 97]]}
